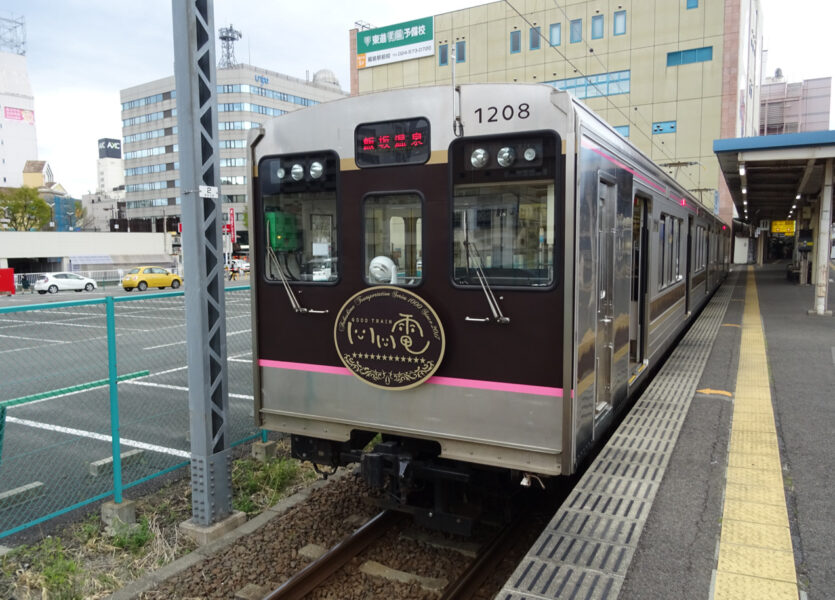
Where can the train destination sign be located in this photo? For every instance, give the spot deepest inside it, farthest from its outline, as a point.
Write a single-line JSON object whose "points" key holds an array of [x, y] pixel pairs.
{"points": [[405, 141], [389, 337]]}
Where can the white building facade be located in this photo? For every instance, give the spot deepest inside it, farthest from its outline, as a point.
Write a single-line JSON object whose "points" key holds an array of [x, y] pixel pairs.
{"points": [[247, 97], [18, 139]]}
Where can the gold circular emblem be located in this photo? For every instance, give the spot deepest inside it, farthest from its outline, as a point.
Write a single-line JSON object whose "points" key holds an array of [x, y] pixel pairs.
{"points": [[389, 337]]}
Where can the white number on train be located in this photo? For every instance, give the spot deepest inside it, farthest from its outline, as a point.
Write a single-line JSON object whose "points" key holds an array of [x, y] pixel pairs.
{"points": [[492, 114]]}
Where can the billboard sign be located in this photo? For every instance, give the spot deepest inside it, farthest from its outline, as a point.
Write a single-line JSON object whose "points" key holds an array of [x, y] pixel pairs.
{"points": [[110, 148], [19, 114], [395, 43]]}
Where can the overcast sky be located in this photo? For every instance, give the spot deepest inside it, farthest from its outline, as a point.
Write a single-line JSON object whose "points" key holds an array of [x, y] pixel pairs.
{"points": [[80, 53]]}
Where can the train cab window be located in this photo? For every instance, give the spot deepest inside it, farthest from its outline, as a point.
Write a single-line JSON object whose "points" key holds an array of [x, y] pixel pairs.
{"points": [[298, 195], [506, 231], [393, 239]]}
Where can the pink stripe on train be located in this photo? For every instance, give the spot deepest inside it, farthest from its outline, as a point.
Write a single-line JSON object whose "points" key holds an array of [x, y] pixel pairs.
{"points": [[496, 386]]}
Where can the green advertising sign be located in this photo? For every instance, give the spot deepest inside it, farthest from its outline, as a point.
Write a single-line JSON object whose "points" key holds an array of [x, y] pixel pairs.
{"points": [[402, 41]]}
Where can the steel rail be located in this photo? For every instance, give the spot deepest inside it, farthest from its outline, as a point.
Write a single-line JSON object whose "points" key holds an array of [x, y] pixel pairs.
{"points": [[468, 584], [323, 567]]}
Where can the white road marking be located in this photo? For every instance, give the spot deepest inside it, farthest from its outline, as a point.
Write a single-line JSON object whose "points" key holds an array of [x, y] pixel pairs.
{"points": [[20, 337], [180, 388], [99, 436], [185, 341]]}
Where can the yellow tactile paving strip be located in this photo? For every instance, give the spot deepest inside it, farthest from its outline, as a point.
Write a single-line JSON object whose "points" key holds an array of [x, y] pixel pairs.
{"points": [[755, 547]]}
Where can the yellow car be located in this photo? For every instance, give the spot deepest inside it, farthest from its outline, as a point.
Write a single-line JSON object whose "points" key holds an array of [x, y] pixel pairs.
{"points": [[142, 278]]}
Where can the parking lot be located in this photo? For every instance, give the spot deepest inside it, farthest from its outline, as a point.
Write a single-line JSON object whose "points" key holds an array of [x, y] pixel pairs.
{"points": [[54, 370]]}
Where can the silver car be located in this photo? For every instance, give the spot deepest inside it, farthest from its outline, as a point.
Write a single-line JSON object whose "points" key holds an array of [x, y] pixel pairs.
{"points": [[55, 282]]}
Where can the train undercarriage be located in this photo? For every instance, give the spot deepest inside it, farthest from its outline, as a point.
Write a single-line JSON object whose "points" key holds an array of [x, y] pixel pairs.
{"points": [[439, 494]]}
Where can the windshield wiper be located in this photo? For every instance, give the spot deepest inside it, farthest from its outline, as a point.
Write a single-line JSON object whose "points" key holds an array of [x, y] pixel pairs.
{"points": [[498, 317], [294, 302]]}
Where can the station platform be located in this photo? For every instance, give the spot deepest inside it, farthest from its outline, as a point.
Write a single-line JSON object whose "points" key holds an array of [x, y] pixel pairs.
{"points": [[719, 482]]}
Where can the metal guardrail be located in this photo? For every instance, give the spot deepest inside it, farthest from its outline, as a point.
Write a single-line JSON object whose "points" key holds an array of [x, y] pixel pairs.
{"points": [[94, 399]]}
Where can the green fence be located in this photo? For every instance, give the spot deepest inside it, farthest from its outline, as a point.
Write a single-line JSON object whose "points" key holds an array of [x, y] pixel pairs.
{"points": [[94, 398]]}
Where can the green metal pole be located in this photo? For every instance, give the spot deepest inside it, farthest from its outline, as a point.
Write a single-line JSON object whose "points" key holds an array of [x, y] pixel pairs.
{"points": [[2, 429], [114, 400]]}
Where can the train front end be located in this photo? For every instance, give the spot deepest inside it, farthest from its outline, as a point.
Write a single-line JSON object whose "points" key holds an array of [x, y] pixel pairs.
{"points": [[408, 289]]}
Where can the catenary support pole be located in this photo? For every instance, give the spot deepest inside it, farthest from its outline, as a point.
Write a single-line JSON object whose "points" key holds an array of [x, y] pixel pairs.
{"points": [[194, 70]]}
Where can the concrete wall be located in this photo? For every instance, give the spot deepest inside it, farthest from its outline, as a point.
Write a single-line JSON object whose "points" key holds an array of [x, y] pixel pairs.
{"points": [[35, 244]]}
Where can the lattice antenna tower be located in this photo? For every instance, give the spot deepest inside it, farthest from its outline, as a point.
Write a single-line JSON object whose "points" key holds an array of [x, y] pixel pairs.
{"points": [[13, 35], [228, 36]]}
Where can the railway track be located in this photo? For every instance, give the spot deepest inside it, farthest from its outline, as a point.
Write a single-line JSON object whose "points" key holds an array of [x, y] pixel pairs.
{"points": [[318, 573]]}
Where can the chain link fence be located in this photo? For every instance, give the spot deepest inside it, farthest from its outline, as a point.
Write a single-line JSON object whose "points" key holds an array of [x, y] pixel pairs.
{"points": [[75, 375]]}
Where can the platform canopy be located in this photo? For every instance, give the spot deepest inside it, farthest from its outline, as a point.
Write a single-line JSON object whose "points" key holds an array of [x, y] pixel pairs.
{"points": [[771, 174]]}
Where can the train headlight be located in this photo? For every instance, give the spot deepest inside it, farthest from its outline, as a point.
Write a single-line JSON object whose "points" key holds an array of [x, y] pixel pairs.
{"points": [[297, 172], [479, 158], [506, 156], [316, 170], [529, 154], [280, 173]]}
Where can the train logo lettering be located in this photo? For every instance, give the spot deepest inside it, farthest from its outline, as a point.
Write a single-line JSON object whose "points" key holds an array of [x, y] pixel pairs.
{"points": [[389, 337]]}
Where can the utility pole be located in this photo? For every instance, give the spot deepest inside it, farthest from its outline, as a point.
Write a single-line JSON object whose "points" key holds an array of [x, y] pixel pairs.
{"points": [[194, 70]]}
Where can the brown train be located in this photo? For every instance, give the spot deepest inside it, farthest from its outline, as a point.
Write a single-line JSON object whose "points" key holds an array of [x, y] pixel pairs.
{"points": [[483, 276]]}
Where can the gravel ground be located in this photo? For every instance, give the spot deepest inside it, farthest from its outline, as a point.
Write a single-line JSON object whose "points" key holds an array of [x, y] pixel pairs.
{"points": [[270, 555]]}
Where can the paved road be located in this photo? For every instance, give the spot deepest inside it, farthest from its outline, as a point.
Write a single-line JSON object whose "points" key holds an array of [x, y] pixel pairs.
{"points": [[52, 439]]}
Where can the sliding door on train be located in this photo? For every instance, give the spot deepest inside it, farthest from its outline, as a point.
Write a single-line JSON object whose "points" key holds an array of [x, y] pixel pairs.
{"points": [[605, 342], [637, 302]]}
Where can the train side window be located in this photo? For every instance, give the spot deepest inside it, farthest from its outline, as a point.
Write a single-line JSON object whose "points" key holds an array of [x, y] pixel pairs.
{"points": [[393, 239], [507, 231], [669, 250]]}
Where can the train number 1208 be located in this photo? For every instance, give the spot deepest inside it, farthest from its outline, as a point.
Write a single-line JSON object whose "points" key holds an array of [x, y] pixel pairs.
{"points": [[492, 114]]}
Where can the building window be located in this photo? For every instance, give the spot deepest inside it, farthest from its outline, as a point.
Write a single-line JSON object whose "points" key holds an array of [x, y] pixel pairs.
{"points": [[460, 51], [663, 127], [605, 84], [597, 27], [535, 37], [619, 27], [576, 31], [555, 34], [623, 130], [692, 4], [685, 57], [515, 42], [443, 55]]}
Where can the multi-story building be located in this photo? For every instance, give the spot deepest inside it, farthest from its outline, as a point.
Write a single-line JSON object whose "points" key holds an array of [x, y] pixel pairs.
{"points": [[247, 96], [671, 75], [794, 107], [18, 141], [37, 174], [104, 209]]}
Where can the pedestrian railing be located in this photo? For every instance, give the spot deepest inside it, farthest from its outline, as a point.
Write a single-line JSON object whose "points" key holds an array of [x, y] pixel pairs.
{"points": [[94, 399]]}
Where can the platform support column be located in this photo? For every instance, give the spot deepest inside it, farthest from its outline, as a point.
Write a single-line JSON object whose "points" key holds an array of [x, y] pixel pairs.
{"points": [[823, 241]]}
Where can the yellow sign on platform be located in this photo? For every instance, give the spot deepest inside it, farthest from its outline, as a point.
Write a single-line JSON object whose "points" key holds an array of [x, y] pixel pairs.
{"points": [[784, 227]]}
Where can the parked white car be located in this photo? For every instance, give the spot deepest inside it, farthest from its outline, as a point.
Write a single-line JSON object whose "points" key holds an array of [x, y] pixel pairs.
{"points": [[56, 282]]}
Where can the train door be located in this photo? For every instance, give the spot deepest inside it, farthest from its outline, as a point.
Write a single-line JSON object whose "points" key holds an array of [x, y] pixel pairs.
{"points": [[605, 343], [637, 303], [688, 300]]}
